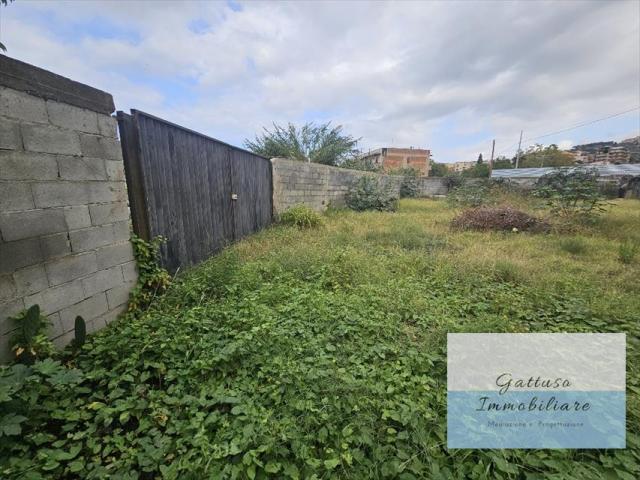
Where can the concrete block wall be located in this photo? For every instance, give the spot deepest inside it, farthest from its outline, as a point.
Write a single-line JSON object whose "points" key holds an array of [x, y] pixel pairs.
{"points": [[64, 216], [319, 186]]}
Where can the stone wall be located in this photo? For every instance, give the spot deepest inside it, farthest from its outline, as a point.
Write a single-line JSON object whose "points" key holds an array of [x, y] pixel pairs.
{"points": [[319, 186], [64, 216]]}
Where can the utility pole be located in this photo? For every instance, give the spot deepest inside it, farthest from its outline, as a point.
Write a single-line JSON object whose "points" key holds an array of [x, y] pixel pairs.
{"points": [[518, 154], [493, 147]]}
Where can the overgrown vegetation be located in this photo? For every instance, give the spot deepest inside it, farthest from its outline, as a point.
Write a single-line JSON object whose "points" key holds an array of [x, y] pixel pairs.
{"points": [[409, 186], [295, 354], [152, 278], [30, 341], [627, 252], [301, 216], [371, 193], [572, 194]]}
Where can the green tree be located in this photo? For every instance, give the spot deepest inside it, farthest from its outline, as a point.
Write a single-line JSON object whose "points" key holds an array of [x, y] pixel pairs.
{"points": [[479, 159], [315, 143], [501, 163], [480, 170], [438, 170], [5, 3], [540, 156]]}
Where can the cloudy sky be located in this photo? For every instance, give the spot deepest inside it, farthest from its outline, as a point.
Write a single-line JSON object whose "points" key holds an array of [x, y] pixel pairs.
{"points": [[448, 76]]}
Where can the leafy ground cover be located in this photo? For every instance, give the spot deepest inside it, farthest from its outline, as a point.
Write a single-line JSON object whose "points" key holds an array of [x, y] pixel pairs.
{"points": [[321, 353]]}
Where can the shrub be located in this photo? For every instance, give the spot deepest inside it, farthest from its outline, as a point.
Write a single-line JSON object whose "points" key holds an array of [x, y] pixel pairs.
{"points": [[627, 252], [152, 278], [30, 341], [301, 216], [573, 245], [468, 194], [371, 193], [409, 186], [571, 193], [499, 219]]}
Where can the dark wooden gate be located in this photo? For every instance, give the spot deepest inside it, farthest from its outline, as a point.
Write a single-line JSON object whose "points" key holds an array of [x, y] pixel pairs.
{"points": [[198, 192]]}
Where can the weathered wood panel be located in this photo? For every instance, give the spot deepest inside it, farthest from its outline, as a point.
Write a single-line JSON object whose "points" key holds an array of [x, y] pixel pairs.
{"points": [[182, 185]]}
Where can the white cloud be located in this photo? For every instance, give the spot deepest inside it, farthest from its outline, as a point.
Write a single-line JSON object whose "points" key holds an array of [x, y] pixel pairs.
{"points": [[449, 76]]}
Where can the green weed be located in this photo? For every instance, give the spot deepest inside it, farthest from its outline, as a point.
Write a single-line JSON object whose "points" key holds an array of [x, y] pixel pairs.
{"points": [[300, 353]]}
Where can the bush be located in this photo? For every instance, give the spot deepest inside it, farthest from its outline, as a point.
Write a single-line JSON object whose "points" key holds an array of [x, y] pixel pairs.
{"points": [[370, 193], [469, 194], [627, 252], [301, 216], [571, 193], [409, 186], [499, 219]]}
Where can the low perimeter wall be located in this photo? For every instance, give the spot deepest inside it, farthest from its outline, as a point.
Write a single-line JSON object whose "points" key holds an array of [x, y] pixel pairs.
{"points": [[319, 186], [64, 216]]}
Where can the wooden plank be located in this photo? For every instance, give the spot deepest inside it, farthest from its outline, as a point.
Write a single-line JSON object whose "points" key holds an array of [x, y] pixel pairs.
{"points": [[188, 180], [133, 173]]}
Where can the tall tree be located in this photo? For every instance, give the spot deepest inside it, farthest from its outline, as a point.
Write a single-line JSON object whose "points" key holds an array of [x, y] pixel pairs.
{"points": [[315, 143], [438, 170], [479, 162], [549, 156]]}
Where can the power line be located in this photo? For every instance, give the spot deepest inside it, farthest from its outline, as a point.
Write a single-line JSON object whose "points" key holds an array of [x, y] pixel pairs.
{"points": [[574, 127]]}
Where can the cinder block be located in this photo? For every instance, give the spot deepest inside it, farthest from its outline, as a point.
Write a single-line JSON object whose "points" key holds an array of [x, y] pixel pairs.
{"points": [[73, 118], [7, 288], [103, 192], [10, 138], [95, 325], [55, 326], [121, 231], [14, 255], [70, 268], [9, 309], [113, 314], [109, 213], [102, 280], [115, 170], [100, 147], [15, 196], [30, 280], [31, 223], [56, 298], [52, 194], [130, 271], [54, 246], [88, 309], [22, 106], [114, 255], [77, 217], [119, 295], [63, 340], [81, 168], [90, 238], [27, 166], [107, 126], [49, 139]]}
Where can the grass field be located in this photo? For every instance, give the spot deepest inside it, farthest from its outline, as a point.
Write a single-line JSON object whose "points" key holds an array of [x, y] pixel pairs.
{"points": [[321, 353]]}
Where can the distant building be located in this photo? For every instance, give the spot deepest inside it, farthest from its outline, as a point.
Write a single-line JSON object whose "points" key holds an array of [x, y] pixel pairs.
{"points": [[602, 153], [390, 158], [458, 167]]}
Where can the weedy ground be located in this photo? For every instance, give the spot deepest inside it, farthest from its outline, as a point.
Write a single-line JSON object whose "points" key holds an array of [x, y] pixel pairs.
{"points": [[321, 353]]}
